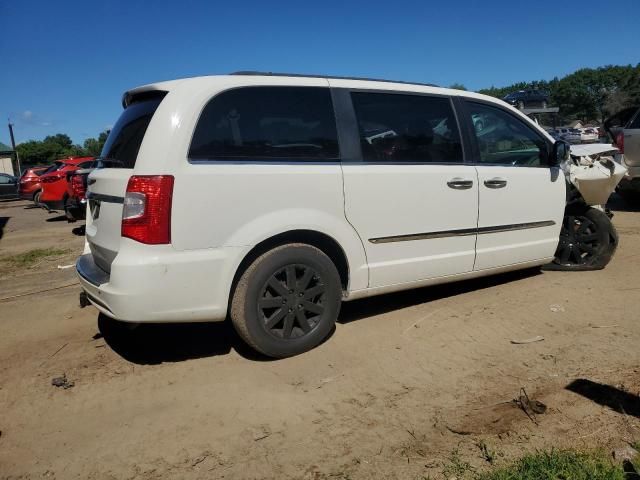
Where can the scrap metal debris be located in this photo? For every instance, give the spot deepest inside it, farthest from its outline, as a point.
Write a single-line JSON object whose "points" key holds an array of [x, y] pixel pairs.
{"points": [[537, 338], [62, 382], [530, 407]]}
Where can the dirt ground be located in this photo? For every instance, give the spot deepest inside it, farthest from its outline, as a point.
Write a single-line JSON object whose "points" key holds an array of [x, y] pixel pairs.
{"points": [[411, 385]]}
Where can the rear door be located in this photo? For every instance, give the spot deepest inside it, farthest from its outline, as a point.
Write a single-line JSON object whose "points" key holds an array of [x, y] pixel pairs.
{"points": [[521, 198], [107, 186], [8, 186], [408, 192]]}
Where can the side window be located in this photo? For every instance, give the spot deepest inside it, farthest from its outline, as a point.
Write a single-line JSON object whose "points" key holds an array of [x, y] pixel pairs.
{"points": [[267, 123], [504, 139], [636, 122], [407, 128], [4, 179]]}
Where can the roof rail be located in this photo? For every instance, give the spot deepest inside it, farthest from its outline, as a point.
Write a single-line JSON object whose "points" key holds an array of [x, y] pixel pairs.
{"points": [[274, 74]]}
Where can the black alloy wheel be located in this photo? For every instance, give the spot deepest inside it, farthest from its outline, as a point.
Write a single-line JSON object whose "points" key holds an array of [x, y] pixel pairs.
{"points": [[287, 300], [291, 301], [587, 240], [579, 240]]}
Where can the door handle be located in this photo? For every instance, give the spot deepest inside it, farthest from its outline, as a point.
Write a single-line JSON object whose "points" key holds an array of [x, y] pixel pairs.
{"points": [[458, 183], [495, 183]]}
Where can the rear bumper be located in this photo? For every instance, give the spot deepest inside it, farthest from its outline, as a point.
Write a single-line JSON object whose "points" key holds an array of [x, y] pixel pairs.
{"points": [[52, 205], [27, 194], [157, 284], [75, 209], [631, 179]]}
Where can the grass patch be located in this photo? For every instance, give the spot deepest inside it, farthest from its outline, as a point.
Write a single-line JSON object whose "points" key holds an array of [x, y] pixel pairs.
{"points": [[31, 257], [456, 467], [558, 464]]}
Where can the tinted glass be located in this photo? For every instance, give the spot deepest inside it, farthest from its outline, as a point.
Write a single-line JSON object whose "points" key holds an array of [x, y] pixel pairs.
{"points": [[53, 167], [636, 122], [123, 142], [407, 128], [506, 140], [267, 123]]}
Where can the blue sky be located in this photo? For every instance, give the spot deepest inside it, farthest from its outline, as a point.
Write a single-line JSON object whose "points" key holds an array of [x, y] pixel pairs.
{"points": [[66, 63]]}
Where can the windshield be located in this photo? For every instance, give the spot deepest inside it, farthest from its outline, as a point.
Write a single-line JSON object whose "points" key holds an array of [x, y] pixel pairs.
{"points": [[123, 143]]}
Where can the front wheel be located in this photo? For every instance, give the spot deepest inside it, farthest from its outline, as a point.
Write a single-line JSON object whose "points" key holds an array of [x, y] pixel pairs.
{"points": [[588, 240], [287, 301]]}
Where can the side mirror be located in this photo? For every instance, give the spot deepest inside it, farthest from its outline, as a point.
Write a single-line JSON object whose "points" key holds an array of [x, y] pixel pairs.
{"points": [[561, 153]]}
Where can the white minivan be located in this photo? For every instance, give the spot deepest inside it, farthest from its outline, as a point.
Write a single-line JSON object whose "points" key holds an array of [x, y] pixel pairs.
{"points": [[271, 199]]}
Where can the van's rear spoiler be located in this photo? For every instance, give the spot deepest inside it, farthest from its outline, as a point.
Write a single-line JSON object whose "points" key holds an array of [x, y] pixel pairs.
{"points": [[141, 94]]}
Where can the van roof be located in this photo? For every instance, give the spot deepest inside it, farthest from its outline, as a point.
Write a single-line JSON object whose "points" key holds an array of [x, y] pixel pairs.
{"points": [[169, 85], [333, 77], [201, 83]]}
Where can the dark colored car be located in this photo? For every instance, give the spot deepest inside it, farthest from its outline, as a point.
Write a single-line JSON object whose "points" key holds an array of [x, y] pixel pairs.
{"points": [[528, 98], [29, 186], [8, 186], [54, 183]]}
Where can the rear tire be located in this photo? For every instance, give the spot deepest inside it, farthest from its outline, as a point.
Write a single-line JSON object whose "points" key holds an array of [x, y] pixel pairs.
{"points": [[520, 105], [544, 104], [588, 240], [36, 198], [287, 301]]}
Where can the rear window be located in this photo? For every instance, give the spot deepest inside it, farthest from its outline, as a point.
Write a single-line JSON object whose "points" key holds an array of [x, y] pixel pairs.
{"points": [[122, 145], [53, 167], [254, 123]]}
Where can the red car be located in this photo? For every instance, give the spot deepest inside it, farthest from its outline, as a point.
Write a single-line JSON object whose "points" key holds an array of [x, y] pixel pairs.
{"points": [[54, 183], [29, 185]]}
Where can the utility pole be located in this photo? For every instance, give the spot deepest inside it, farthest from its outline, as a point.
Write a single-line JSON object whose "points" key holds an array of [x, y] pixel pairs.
{"points": [[13, 145]]}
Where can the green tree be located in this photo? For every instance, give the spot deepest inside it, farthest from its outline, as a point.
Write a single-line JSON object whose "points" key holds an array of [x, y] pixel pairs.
{"points": [[587, 94], [93, 146], [457, 86], [53, 147]]}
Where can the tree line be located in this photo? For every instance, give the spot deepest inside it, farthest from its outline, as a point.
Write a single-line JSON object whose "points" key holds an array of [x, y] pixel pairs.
{"points": [[55, 147], [588, 94]]}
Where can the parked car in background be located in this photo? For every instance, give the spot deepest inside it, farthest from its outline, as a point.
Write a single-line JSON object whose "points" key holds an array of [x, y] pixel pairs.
{"points": [[8, 186], [624, 129], [588, 135], [571, 135], [54, 182], [75, 206], [528, 98], [29, 184], [555, 134]]}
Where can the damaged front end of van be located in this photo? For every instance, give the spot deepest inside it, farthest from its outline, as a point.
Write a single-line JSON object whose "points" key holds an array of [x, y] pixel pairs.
{"points": [[588, 239]]}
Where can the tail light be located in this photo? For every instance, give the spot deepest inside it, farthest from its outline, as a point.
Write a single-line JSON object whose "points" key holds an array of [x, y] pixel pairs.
{"points": [[52, 178], [620, 142], [146, 214], [77, 187]]}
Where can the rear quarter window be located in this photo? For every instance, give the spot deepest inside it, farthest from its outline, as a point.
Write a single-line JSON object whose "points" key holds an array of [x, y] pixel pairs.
{"points": [[267, 123]]}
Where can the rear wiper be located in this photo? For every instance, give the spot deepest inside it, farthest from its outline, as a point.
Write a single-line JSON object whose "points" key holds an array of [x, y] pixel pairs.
{"points": [[103, 161]]}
